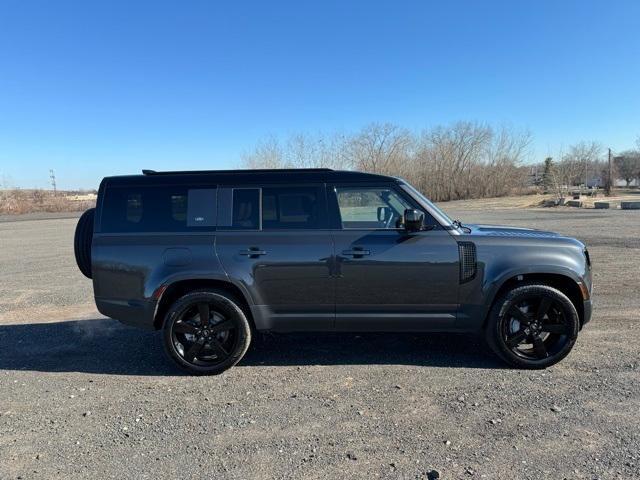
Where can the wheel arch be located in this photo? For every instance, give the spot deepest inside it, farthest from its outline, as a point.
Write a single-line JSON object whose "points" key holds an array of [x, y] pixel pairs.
{"points": [[563, 281], [169, 293]]}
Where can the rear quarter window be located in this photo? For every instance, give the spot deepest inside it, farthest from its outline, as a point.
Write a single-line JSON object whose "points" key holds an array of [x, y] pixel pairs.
{"points": [[158, 209]]}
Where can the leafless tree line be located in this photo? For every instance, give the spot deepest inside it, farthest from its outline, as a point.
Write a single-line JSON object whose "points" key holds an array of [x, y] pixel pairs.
{"points": [[586, 163], [580, 164], [462, 160]]}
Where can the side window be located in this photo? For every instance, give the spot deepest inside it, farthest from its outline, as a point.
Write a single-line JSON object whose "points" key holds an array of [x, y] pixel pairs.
{"points": [[293, 208], [246, 208], [157, 209], [271, 208], [370, 207]]}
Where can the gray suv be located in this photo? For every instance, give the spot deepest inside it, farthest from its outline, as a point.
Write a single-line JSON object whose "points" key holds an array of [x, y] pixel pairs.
{"points": [[210, 257]]}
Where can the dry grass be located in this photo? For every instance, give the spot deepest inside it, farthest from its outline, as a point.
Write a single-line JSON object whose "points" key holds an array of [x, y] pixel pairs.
{"points": [[538, 200], [17, 201]]}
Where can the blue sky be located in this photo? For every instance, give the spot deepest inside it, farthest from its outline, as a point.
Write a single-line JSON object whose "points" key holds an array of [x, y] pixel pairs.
{"points": [[100, 88]]}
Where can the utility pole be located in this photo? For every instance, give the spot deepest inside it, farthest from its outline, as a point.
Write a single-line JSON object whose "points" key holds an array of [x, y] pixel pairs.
{"points": [[52, 176], [609, 179], [586, 173]]}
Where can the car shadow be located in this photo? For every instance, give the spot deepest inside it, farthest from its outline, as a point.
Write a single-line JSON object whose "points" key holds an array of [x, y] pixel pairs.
{"points": [[104, 346]]}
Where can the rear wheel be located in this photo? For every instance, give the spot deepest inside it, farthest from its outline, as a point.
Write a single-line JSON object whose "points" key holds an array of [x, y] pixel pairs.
{"points": [[206, 332], [532, 326]]}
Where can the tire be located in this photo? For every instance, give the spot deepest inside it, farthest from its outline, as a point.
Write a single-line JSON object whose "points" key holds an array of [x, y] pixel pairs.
{"points": [[82, 241], [532, 326], [206, 347]]}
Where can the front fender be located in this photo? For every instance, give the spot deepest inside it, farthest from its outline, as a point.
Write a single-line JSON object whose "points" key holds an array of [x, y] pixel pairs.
{"points": [[500, 260]]}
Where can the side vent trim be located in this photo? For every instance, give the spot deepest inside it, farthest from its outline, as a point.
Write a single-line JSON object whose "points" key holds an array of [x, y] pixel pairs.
{"points": [[468, 261]]}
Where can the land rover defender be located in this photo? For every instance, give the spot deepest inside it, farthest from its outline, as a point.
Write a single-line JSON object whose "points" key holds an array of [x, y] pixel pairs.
{"points": [[210, 257]]}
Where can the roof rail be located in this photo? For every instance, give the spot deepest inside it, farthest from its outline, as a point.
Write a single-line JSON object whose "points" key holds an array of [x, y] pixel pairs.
{"points": [[256, 170]]}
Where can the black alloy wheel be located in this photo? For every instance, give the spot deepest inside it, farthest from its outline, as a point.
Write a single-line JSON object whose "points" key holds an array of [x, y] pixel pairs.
{"points": [[533, 326], [206, 332], [202, 335]]}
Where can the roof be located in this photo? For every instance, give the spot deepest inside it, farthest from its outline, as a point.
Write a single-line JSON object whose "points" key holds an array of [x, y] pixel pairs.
{"points": [[288, 175], [255, 170]]}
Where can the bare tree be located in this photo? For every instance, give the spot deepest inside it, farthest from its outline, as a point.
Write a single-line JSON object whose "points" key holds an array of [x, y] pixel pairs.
{"points": [[582, 158], [467, 160], [447, 156], [502, 172], [267, 154], [299, 151], [557, 182], [379, 148], [628, 165]]}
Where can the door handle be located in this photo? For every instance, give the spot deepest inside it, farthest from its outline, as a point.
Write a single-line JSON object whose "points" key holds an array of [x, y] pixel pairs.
{"points": [[356, 252], [252, 252]]}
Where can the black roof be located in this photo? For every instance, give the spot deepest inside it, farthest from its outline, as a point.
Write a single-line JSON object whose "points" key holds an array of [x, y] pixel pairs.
{"points": [[283, 175], [254, 170]]}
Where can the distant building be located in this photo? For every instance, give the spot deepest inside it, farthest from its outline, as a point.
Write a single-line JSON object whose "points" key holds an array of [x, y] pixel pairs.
{"points": [[595, 182], [600, 183], [623, 183]]}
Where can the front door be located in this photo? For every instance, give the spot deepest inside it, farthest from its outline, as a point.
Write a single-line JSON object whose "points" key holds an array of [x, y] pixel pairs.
{"points": [[275, 242], [388, 279]]}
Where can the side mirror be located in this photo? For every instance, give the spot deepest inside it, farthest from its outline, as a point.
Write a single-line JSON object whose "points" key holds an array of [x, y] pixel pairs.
{"points": [[413, 220]]}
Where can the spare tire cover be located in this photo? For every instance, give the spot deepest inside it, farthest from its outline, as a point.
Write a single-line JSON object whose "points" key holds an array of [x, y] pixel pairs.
{"points": [[82, 242]]}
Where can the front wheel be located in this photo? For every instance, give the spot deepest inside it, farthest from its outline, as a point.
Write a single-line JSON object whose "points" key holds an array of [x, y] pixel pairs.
{"points": [[206, 332], [532, 326]]}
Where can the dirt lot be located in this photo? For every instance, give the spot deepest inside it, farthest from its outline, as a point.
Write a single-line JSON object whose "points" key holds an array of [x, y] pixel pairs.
{"points": [[84, 397]]}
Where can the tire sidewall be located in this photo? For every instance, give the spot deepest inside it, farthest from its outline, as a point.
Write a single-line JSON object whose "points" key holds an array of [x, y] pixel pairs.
{"points": [[83, 237], [497, 318], [226, 305]]}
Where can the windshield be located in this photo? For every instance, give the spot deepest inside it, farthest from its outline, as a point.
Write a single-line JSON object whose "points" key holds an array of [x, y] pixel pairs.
{"points": [[429, 204]]}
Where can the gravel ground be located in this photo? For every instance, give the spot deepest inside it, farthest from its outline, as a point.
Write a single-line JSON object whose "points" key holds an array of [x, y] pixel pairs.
{"points": [[83, 397]]}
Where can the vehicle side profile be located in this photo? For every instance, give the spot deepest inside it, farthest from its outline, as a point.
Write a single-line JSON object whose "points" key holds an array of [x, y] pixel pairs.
{"points": [[211, 256]]}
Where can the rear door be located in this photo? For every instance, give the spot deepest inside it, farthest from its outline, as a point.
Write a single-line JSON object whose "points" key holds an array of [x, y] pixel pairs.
{"points": [[274, 239], [388, 278]]}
